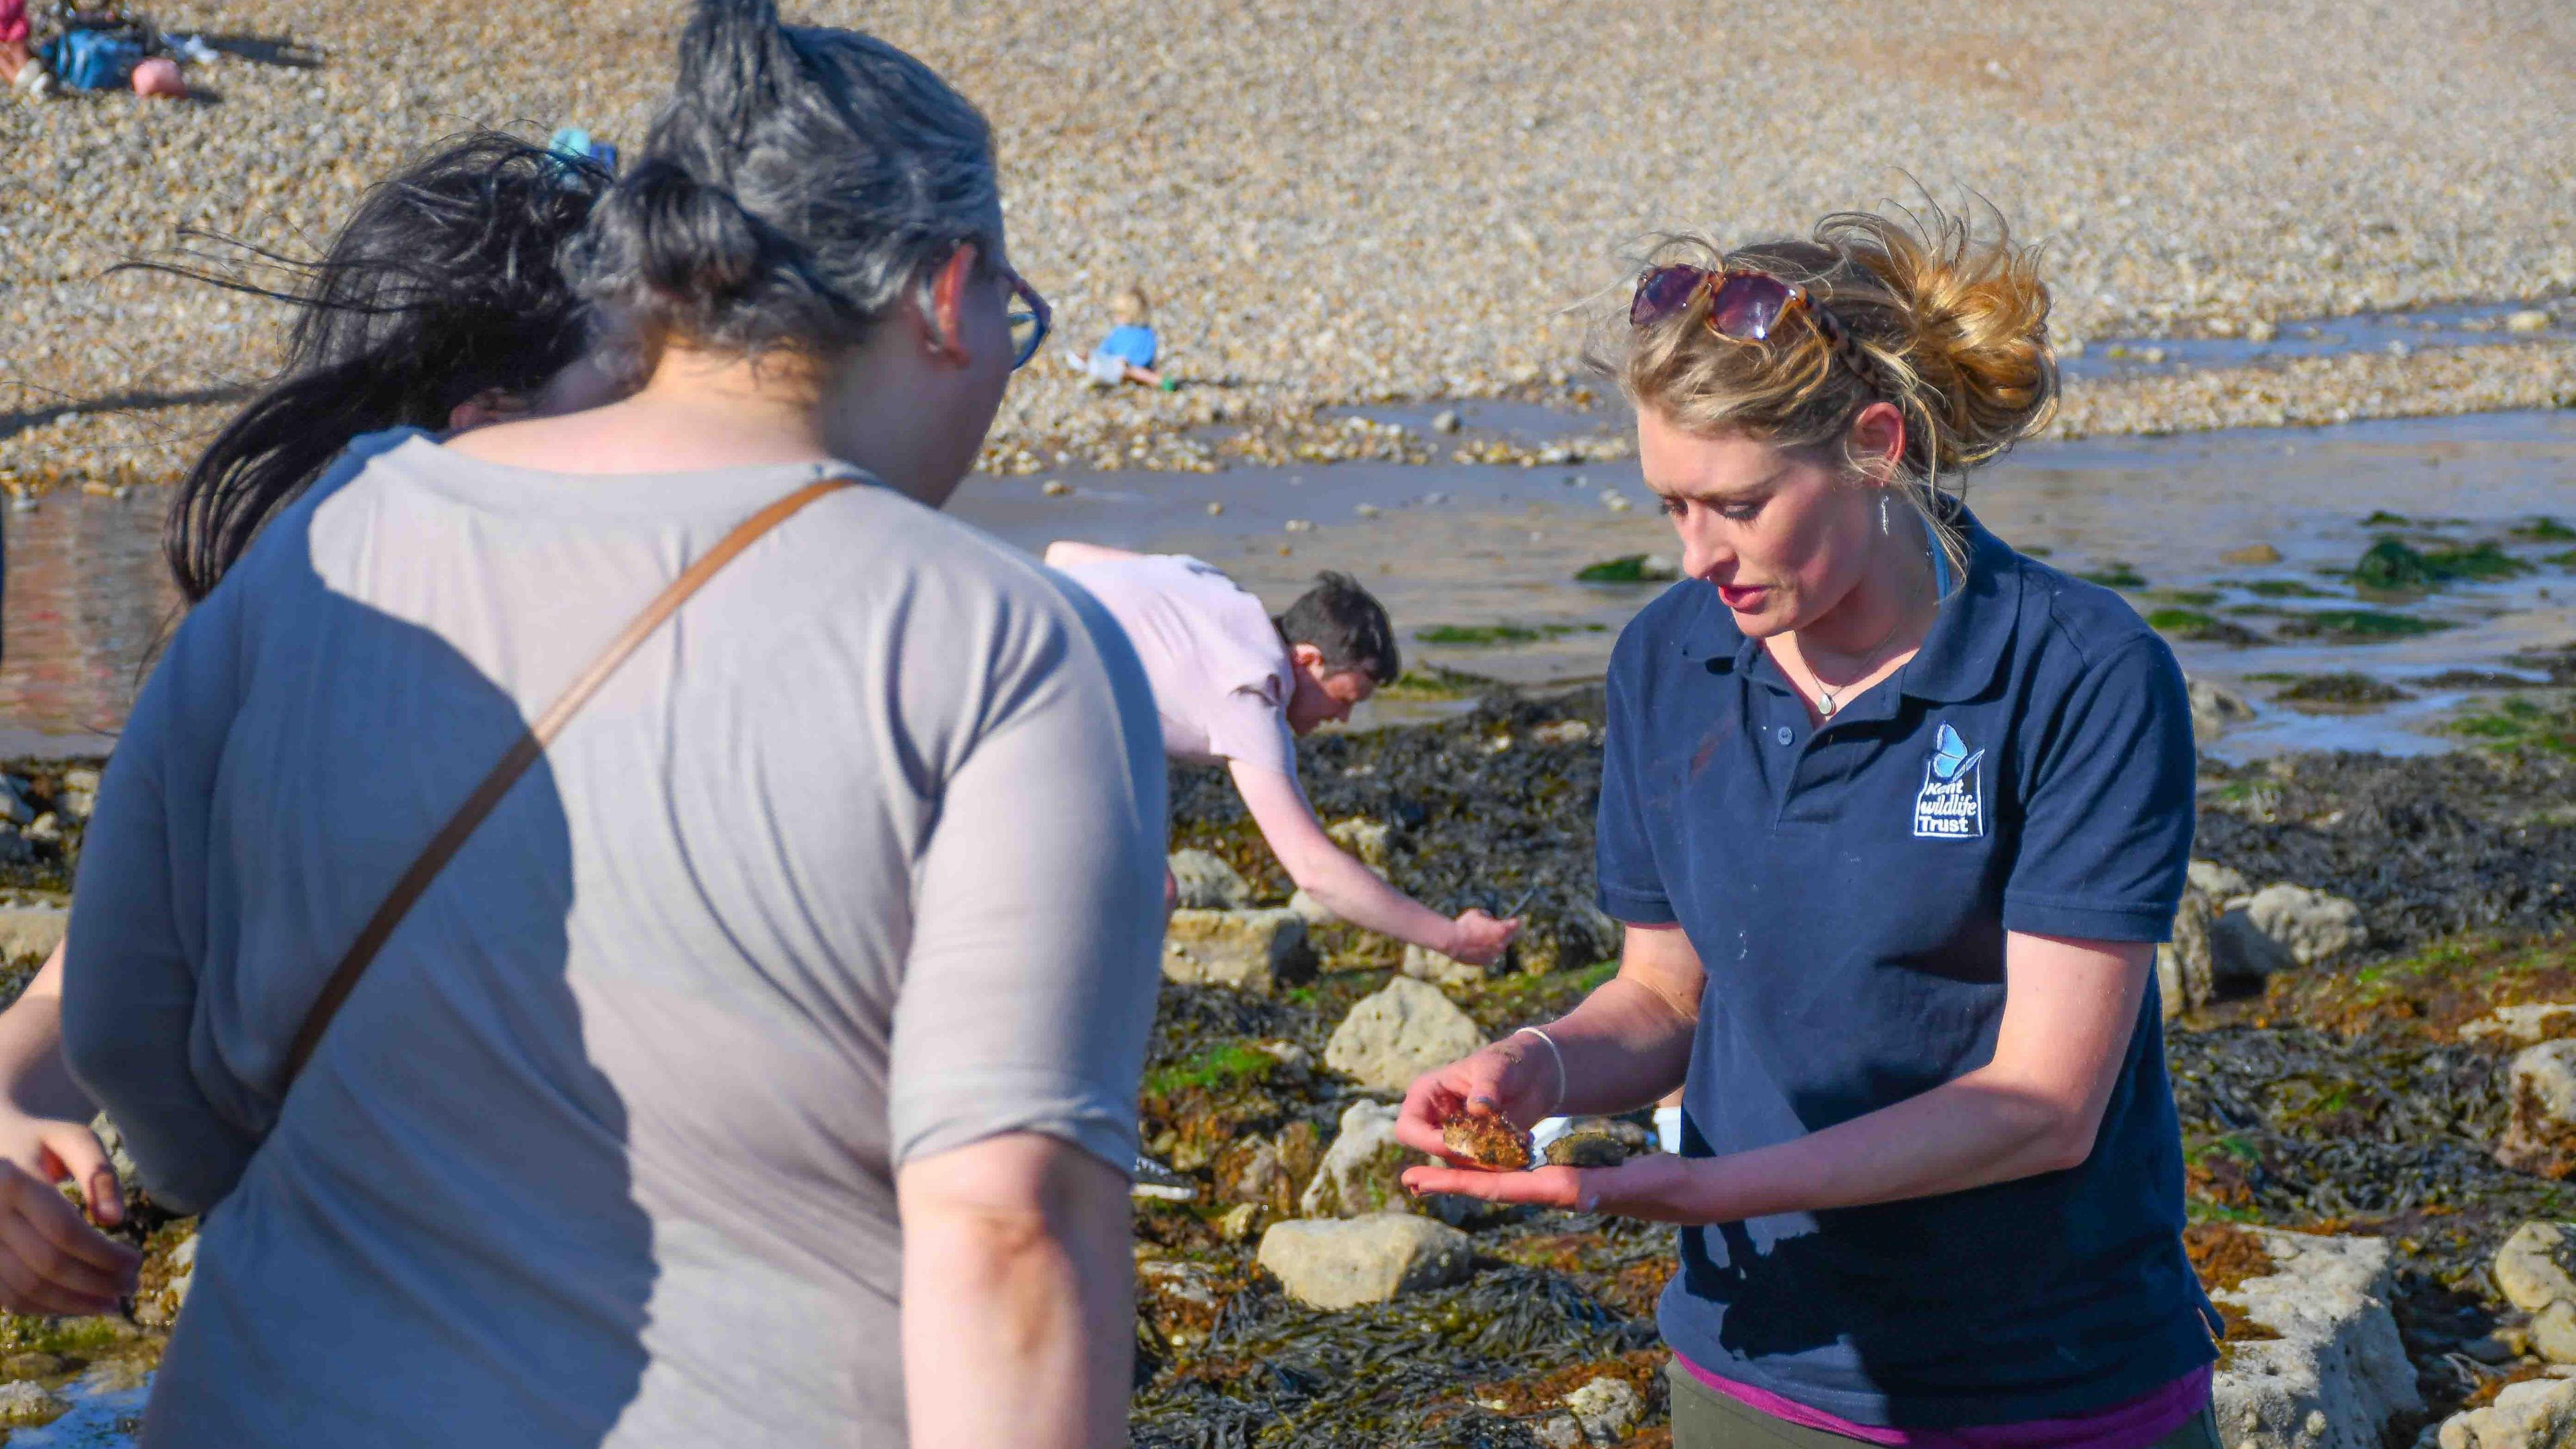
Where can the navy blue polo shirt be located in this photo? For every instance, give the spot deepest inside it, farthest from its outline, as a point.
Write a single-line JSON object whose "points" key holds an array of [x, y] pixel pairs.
{"points": [[1848, 889]]}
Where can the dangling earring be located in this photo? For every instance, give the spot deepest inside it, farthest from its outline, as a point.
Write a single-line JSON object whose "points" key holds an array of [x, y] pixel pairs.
{"points": [[1882, 515]]}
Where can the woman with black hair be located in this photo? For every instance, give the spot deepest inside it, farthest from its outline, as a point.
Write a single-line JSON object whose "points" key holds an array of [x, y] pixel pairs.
{"points": [[763, 1069], [438, 304], [441, 304]]}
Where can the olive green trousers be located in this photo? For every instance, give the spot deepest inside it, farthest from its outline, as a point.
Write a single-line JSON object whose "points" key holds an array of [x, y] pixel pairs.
{"points": [[1706, 1419]]}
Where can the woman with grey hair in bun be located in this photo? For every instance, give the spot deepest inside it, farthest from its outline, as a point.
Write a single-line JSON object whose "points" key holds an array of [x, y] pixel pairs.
{"points": [[749, 1056]]}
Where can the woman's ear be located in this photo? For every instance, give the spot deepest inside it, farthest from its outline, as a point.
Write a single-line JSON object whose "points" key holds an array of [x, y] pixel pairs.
{"points": [[947, 317], [1876, 442]]}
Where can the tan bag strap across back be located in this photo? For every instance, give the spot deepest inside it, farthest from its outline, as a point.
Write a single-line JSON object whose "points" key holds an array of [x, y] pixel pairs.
{"points": [[443, 846]]}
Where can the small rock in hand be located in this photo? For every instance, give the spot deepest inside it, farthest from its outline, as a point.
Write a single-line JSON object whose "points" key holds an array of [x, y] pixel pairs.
{"points": [[1586, 1149], [1490, 1143]]}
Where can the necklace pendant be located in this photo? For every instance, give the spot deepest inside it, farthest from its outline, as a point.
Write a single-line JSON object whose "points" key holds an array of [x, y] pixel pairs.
{"points": [[1827, 708]]}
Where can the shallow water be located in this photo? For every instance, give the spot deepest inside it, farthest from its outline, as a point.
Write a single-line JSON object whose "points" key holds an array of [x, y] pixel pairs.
{"points": [[1479, 545], [2412, 330], [1482, 545], [107, 1409]]}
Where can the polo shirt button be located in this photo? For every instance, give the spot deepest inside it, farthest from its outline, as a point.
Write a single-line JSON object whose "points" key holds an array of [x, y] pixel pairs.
{"points": [[1784, 734]]}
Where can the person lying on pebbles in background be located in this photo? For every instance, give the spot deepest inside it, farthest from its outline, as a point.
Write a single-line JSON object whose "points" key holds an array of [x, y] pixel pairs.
{"points": [[438, 304], [1894, 816], [1237, 687], [1130, 350], [765, 1068]]}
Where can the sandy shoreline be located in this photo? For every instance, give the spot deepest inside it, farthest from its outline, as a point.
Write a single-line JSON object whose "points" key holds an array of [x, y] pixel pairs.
{"points": [[1337, 203]]}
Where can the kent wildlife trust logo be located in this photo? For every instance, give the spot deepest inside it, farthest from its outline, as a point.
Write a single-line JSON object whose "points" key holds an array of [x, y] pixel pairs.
{"points": [[1952, 803]]}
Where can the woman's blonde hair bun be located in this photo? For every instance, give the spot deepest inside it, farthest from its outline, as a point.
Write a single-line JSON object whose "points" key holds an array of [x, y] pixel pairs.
{"points": [[1976, 319], [1942, 316]]}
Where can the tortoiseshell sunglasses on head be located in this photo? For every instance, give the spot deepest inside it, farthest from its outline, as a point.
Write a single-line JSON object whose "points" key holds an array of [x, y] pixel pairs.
{"points": [[1743, 307]]}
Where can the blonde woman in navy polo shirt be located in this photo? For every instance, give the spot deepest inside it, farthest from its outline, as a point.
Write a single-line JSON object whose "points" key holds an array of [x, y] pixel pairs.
{"points": [[1894, 816]]}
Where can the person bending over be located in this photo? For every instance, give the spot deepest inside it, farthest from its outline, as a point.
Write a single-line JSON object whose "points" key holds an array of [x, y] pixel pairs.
{"points": [[1234, 685]]}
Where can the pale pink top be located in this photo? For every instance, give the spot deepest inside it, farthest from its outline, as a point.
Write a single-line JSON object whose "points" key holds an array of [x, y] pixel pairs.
{"points": [[2134, 1424], [1221, 677]]}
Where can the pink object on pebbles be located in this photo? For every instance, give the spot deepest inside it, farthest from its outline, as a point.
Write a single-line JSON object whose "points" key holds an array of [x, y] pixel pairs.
{"points": [[159, 76]]}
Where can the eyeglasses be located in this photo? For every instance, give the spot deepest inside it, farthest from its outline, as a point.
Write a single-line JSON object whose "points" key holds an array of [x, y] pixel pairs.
{"points": [[1029, 320]]}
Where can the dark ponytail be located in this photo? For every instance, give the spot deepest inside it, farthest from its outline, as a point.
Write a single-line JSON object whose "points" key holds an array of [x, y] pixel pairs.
{"points": [[443, 286], [798, 184]]}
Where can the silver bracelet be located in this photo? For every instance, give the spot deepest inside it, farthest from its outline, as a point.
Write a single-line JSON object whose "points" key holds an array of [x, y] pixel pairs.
{"points": [[1558, 1053]]}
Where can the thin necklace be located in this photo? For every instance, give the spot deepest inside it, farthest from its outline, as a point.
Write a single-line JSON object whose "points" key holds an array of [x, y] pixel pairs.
{"points": [[1825, 692]]}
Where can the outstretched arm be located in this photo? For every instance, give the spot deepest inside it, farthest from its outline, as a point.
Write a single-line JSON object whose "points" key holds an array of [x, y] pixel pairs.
{"points": [[50, 1260], [1351, 890]]}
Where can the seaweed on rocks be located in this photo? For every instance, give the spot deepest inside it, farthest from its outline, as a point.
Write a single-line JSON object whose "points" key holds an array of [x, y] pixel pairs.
{"points": [[2427, 847], [1492, 809], [2388, 1128], [1399, 1374]]}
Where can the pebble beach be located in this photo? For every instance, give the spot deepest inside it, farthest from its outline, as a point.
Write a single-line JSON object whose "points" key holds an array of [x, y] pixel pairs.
{"points": [[1341, 202]]}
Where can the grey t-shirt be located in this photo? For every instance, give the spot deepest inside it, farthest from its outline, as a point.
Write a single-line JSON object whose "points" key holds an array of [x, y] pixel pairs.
{"points": [[858, 860]]}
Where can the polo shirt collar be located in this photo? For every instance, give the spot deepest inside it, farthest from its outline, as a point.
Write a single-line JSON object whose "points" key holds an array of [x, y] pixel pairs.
{"points": [[1969, 638], [1973, 633]]}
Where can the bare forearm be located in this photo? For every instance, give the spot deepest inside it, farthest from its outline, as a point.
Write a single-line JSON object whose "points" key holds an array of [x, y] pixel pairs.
{"points": [[1960, 1135], [1354, 893], [1624, 1048], [32, 1071]]}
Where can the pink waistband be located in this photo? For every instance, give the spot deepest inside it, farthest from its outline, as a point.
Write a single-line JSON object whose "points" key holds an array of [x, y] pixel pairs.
{"points": [[2135, 1424]]}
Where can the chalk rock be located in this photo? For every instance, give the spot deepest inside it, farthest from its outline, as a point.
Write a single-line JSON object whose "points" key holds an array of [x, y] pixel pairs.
{"points": [[1328, 1263], [2338, 1371], [2185, 977], [2532, 1268], [2530, 319], [79, 793], [2214, 708], [1607, 1410], [26, 1403], [1445, 421], [2526, 1025], [1363, 1173], [1398, 1033], [1247, 950], [2239, 951], [1559, 1431], [2221, 883], [1362, 837], [2533, 1414], [1424, 964], [2540, 1132], [1207, 883], [31, 930], [1359, 1172], [2313, 926], [1238, 1221]]}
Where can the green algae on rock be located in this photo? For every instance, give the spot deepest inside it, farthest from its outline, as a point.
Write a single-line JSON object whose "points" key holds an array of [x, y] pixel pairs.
{"points": [[2200, 628], [2359, 626], [2394, 565]]}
